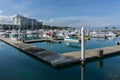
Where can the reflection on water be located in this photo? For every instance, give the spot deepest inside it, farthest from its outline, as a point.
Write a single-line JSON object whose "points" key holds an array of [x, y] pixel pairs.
{"points": [[84, 69], [104, 39], [2, 44], [23, 67], [73, 45], [70, 47], [51, 43], [111, 38], [83, 72], [100, 63]]}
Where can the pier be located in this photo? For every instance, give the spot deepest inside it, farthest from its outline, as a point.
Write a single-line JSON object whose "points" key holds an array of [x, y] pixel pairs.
{"points": [[94, 53], [57, 60], [52, 58]]}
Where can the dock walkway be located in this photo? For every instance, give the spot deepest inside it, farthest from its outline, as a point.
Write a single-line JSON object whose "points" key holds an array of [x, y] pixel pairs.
{"points": [[61, 59], [50, 57], [94, 53]]}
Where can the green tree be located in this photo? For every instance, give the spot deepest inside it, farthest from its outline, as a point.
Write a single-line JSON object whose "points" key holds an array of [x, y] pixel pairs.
{"points": [[106, 27], [114, 27]]}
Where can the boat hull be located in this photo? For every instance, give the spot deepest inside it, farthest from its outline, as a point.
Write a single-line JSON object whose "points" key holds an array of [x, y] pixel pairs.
{"points": [[70, 40]]}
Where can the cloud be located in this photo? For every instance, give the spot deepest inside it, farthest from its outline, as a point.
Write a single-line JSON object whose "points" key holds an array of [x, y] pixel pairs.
{"points": [[1, 11], [6, 19], [51, 20], [75, 21], [88, 21]]}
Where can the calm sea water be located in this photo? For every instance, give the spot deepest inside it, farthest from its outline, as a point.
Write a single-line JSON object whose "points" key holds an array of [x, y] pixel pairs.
{"points": [[64, 47], [16, 65]]}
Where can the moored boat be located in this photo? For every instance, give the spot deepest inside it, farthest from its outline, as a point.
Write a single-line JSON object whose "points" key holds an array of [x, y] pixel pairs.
{"points": [[72, 40]]}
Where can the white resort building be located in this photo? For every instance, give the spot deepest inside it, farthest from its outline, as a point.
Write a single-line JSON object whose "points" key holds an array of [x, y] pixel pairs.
{"points": [[24, 21], [20, 22]]}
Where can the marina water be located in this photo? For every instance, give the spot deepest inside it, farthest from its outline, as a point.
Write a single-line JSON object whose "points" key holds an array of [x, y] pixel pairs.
{"points": [[17, 65]]}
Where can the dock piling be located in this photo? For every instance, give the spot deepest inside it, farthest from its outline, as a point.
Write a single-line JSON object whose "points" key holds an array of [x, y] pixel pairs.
{"points": [[82, 45], [100, 53]]}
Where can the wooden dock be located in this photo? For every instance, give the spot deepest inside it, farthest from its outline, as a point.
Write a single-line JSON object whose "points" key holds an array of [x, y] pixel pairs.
{"points": [[64, 59]]}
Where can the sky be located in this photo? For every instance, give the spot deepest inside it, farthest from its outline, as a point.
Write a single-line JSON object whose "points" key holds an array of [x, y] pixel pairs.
{"points": [[74, 13]]}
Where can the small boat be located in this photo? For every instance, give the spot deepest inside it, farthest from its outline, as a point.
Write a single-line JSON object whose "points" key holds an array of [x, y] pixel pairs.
{"points": [[72, 40], [2, 33], [14, 36], [111, 34], [95, 34], [86, 37], [47, 35]]}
